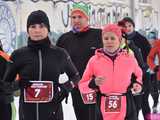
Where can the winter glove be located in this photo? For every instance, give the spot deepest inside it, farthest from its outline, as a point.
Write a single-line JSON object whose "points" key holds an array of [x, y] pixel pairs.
{"points": [[68, 86], [65, 88], [24, 84], [60, 95], [156, 69]]}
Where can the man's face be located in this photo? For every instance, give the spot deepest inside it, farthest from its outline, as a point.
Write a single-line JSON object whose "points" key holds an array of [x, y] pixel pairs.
{"points": [[78, 21], [37, 32]]}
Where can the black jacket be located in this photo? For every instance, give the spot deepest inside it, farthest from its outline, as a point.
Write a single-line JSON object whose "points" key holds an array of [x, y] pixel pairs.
{"points": [[26, 62], [81, 46], [141, 42]]}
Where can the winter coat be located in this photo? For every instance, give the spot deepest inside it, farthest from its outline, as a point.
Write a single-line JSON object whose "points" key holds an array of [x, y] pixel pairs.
{"points": [[117, 75], [155, 50], [40, 61]]}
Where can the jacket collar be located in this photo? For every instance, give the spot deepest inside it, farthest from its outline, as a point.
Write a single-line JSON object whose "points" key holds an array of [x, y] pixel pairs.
{"points": [[39, 44]]}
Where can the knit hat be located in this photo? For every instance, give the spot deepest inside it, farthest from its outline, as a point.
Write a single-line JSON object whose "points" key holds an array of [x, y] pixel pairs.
{"points": [[81, 8], [128, 19], [112, 28], [38, 17]]}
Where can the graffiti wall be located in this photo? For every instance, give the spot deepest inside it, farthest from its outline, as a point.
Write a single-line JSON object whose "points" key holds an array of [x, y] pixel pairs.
{"points": [[13, 17]]}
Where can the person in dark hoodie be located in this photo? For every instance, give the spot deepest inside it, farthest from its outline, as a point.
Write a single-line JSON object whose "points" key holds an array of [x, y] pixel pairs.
{"points": [[6, 99], [39, 65], [143, 45], [81, 43]]}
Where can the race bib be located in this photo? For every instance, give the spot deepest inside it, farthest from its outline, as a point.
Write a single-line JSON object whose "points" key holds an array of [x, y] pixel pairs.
{"points": [[113, 103], [89, 98], [39, 92]]}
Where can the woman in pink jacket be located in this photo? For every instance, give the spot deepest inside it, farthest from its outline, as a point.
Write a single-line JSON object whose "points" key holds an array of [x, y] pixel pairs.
{"points": [[112, 69]]}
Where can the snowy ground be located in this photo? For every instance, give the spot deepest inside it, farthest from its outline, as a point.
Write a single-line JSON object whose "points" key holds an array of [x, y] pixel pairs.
{"points": [[69, 113]]}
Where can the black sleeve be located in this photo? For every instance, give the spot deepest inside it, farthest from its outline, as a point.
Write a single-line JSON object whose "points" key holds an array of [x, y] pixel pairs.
{"points": [[3, 64], [138, 56], [146, 47], [11, 70], [70, 69]]}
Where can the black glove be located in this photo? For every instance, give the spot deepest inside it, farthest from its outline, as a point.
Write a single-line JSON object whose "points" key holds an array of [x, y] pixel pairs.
{"points": [[156, 69], [65, 88], [60, 95], [24, 84], [68, 86]]}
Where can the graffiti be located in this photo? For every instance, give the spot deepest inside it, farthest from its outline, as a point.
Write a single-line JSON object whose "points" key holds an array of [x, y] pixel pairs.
{"points": [[7, 28], [99, 15], [65, 16]]}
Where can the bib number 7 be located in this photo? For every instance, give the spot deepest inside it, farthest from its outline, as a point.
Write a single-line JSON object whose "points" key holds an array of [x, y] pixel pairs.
{"points": [[39, 92]]}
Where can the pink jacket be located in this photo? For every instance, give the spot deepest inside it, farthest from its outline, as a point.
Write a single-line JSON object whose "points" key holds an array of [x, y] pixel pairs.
{"points": [[118, 78]]}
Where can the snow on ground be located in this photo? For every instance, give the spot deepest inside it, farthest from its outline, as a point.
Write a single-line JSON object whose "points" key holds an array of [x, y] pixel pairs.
{"points": [[68, 109], [69, 113]]}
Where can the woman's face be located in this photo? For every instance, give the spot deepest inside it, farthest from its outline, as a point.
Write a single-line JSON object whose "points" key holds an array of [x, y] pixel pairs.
{"points": [[129, 27], [111, 42], [37, 32]]}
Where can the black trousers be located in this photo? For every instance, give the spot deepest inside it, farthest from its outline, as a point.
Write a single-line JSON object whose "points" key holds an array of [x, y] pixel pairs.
{"points": [[83, 111], [131, 108], [154, 89], [141, 101], [5, 111], [46, 111]]}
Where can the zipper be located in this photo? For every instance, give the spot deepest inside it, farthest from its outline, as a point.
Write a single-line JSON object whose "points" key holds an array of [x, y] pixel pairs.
{"points": [[40, 79], [40, 64]]}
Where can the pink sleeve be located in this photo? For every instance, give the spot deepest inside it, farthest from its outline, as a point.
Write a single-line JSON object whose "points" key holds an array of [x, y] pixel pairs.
{"points": [[86, 78], [138, 71]]}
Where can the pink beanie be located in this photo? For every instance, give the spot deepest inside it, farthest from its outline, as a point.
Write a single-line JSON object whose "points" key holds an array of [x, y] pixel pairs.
{"points": [[112, 28]]}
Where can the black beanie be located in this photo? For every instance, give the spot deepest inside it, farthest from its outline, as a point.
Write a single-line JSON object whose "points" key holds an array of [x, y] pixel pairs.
{"points": [[128, 19], [38, 17]]}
